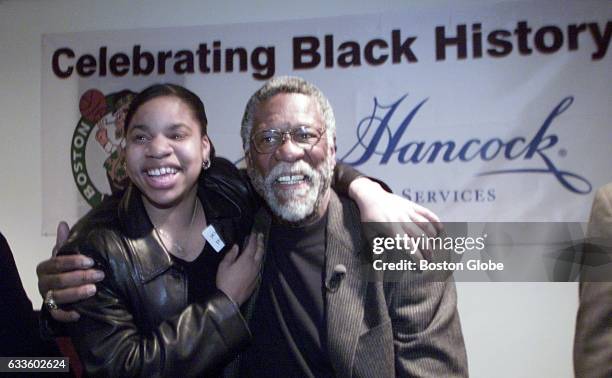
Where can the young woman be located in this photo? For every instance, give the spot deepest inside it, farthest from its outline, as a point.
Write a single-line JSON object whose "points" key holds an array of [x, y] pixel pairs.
{"points": [[169, 304]]}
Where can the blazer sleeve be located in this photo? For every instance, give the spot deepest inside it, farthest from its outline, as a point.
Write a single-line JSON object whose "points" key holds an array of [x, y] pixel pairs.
{"points": [[593, 337], [109, 342], [428, 341], [345, 174]]}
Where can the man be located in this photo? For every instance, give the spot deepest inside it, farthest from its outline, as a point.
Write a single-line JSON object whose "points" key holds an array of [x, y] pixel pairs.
{"points": [[314, 313], [593, 339]]}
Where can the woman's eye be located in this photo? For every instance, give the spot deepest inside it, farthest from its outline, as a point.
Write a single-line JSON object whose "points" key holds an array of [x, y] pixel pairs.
{"points": [[178, 136], [140, 139]]}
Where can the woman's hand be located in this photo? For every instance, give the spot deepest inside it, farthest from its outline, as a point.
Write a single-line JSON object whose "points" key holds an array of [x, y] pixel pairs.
{"points": [[237, 275]]}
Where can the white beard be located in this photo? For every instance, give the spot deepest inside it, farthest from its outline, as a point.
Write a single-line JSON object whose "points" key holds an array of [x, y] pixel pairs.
{"points": [[300, 204]]}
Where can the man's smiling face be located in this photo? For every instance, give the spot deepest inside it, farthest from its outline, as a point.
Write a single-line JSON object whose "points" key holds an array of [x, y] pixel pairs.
{"points": [[293, 180]]}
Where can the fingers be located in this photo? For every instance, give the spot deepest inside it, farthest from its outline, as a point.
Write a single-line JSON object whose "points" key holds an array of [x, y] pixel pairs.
{"points": [[237, 275], [415, 227], [255, 247], [51, 273], [62, 233], [430, 216], [73, 294], [427, 228], [259, 248], [426, 219], [77, 280], [67, 296], [60, 237], [65, 316], [61, 264], [251, 245], [71, 279], [230, 256]]}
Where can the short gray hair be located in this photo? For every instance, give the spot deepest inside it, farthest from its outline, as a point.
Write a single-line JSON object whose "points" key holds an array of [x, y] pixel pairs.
{"points": [[286, 84]]}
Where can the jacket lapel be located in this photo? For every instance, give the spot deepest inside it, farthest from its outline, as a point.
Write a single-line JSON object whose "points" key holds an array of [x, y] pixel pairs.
{"points": [[344, 307], [150, 257]]}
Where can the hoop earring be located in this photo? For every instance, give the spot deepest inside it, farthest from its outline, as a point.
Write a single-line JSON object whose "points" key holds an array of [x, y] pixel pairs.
{"points": [[205, 164]]}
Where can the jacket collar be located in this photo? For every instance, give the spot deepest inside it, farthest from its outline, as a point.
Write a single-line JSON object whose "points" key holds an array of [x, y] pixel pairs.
{"points": [[150, 256], [342, 247]]}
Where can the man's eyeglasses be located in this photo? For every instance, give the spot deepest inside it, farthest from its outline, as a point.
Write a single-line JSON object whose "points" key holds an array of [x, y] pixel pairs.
{"points": [[267, 141]]}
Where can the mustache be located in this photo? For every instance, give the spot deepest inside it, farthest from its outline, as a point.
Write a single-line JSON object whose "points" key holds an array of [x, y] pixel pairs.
{"points": [[286, 168]]}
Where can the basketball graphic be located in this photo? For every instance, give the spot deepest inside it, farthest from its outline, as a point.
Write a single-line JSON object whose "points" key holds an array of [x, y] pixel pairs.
{"points": [[92, 105], [100, 170]]}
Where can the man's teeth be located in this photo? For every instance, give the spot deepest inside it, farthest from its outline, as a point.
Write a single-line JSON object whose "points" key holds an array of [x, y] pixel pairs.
{"points": [[161, 171], [292, 179]]}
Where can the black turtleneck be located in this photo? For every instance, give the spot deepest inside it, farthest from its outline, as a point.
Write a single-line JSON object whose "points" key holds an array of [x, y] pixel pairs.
{"points": [[288, 325]]}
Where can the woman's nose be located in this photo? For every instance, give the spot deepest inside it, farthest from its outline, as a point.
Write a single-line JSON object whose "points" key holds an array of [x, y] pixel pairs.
{"points": [[159, 147]]}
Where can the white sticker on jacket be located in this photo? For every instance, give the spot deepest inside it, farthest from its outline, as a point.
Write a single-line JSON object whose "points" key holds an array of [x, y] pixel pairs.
{"points": [[212, 237]]}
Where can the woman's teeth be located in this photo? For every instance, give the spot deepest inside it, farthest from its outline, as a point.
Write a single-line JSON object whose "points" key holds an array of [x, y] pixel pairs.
{"points": [[161, 171]]}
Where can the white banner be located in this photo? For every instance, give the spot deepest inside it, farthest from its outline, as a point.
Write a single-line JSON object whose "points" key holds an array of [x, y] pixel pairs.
{"points": [[498, 113]]}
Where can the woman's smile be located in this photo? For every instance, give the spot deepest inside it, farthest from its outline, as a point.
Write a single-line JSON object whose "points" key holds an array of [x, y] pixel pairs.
{"points": [[161, 178]]}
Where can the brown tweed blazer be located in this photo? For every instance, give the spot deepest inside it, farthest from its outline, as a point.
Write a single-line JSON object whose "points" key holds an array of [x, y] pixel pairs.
{"points": [[593, 339], [405, 328]]}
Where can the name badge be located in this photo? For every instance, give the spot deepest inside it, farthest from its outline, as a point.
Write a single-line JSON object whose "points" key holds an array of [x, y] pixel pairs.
{"points": [[213, 238]]}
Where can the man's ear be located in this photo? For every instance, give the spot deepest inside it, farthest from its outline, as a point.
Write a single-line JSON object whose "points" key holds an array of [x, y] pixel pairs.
{"points": [[247, 157], [332, 149]]}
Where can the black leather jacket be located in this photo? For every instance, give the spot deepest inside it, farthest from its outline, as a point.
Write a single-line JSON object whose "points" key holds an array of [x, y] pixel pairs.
{"points": [[140, 322]]}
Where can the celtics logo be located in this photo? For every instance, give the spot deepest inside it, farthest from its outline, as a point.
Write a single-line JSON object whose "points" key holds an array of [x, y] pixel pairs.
{"points": [[98, 164]]}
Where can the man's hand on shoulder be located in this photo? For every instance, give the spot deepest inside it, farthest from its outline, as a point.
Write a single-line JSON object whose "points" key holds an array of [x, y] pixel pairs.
{"points": [[66, 279]]}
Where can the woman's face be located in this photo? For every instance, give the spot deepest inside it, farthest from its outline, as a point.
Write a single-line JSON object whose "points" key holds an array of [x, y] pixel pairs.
{"points": [[165, 150]]}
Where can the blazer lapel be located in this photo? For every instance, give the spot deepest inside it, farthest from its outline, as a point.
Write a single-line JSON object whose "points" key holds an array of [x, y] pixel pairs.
{"points": [[261, 227], [344, 307]]}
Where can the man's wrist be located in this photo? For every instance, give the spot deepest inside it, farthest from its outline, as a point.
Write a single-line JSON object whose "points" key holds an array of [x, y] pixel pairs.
{"points": [[361, 188]]}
